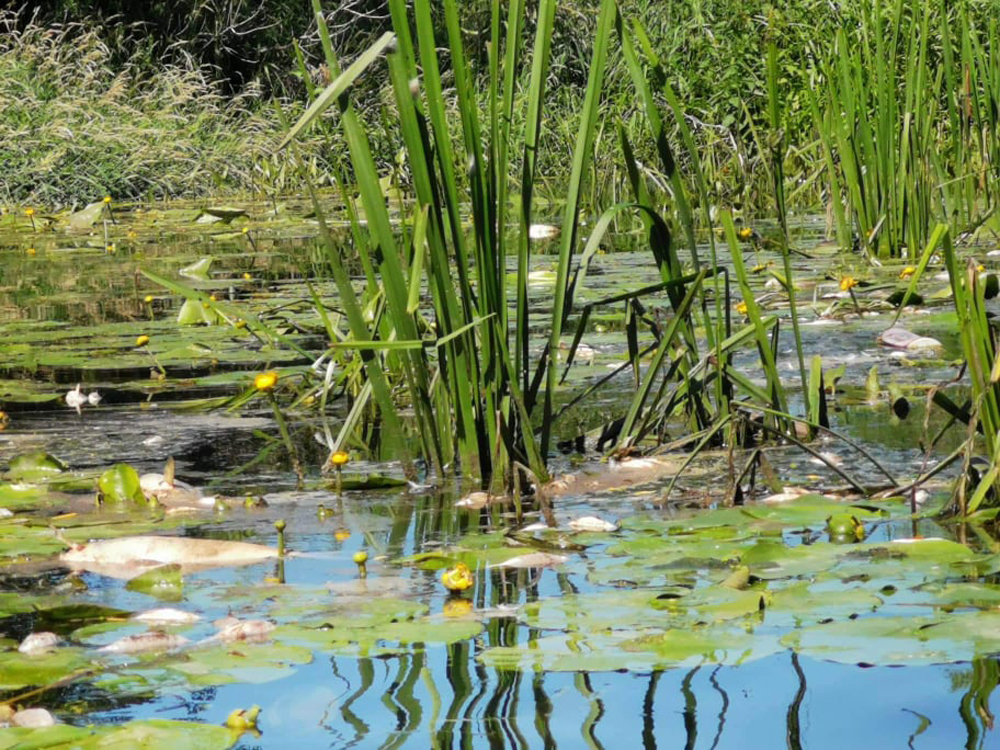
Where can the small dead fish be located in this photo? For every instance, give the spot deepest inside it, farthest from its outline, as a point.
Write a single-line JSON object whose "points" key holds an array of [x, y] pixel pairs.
{"points": [[532, 560], [542, 231], [153, 641], [170, 491], [166, 616], [592, 523], [245, 630], [32, 718], [36, 643], [900, 338], [474, 501]]}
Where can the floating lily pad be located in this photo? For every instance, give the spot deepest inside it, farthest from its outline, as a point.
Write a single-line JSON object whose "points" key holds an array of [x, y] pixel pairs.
{"points": [[34, 467], [149, 733], [120, 484]]}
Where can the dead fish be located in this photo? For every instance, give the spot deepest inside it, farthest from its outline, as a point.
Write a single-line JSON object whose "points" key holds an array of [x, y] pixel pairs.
{"points": [[900, 338], [244, 630], [166, 616], [532, 560], [32, 718], [36, 643], [170, 491], [474, 501], [542, 231], [153, 641], [592, 523], [128, 552]]}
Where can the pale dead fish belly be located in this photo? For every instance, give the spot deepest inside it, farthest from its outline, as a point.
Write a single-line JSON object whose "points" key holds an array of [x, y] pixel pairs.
{"points": [[166, 550]]}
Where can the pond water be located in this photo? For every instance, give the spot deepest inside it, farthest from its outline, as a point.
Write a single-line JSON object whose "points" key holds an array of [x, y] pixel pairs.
{"points": [[637, 637]]}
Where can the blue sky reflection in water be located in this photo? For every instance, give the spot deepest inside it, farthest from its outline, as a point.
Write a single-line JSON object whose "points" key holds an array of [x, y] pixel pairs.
{"points": [[344, 702]]}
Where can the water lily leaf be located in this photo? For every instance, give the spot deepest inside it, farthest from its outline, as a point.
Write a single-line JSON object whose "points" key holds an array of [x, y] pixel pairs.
{"points": [[18, 670], [148, 733], [803, 602], [710, 646], [165, 582], [251, 663], [65, 618], [226, 213], [34, 467], [193, 313], [86, 217], [569, 653], [880, 640], [197, 270], [120, 484]]}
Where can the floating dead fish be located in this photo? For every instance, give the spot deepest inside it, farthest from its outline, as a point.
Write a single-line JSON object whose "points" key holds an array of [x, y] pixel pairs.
{"points": [[36, 643], [786, 495], [32, 718], [900, 338], [170, 491], [244, 630], [474, 501], [533, 560], [166, 616], [592, 523], [130, 556], [542, 231], [136, 644]]}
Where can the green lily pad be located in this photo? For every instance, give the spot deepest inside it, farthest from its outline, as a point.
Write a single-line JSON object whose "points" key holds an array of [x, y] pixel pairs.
{"points": [[34, 467], [19, 670], [252, 663], [165, 582], [148, 733], [120, 484]]}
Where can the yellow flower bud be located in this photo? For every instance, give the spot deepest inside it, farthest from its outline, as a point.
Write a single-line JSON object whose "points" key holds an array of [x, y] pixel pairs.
{"points": [[142, 340], [266, 381], [339, 458]]}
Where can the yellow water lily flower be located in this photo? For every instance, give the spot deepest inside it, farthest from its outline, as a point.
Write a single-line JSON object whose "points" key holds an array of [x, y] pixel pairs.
{"points": [[907, 272], [266, 381], [107, 199], [847, 283], [745, 233], [142, 340], [29, 211], [243, 720], [458, 578], [148, 298], [741, 308], [339, 458], [342, 535]]}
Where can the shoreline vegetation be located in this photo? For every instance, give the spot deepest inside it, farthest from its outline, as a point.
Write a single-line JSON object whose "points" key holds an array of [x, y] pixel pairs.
{"points": [[96, 105]]}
